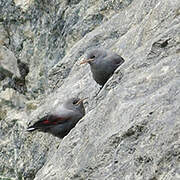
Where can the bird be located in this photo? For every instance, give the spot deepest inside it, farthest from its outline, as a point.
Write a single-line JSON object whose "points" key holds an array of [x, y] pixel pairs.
{"points": [[103, 63], [62, 119]]}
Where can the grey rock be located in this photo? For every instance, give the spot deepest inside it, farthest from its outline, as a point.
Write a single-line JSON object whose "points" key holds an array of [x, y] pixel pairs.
{"points": [[8, 63], [13, 98], [131, 128], [3, 35]]}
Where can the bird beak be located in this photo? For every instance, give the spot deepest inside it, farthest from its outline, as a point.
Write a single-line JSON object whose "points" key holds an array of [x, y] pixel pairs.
{"points": [[86, 61], [80, 101]]}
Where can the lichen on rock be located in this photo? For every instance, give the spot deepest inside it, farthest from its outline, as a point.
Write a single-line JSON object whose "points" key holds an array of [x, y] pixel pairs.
{"points": [[131, 128]]}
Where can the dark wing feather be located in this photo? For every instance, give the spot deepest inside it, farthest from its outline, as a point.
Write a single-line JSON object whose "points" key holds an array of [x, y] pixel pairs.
{"points": [[118, 60], [47, 122]]}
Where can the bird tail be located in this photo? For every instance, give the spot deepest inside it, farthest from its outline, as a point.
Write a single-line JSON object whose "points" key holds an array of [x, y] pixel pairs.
{"points": [[42, 125], [31, 128]]}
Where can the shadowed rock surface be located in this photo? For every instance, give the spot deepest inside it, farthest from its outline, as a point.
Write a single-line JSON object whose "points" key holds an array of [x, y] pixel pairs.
{"points": [[131, 128]]}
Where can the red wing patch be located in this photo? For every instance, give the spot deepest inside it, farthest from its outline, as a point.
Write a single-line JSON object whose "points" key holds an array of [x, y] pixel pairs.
{"points": [[53, 120], [46, 122]]}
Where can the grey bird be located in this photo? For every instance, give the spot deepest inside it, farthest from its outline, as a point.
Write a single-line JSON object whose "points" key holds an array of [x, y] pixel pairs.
{"points": [[103, 63], [60, 121]]}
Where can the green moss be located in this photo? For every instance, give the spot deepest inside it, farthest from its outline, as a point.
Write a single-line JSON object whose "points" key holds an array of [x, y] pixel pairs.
{"points": [[177, 13], [31, 106], [20, 176], [3, 113]]}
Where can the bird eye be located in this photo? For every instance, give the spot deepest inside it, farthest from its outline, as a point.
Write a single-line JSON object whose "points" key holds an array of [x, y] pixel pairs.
{"points": [[75, 102]]}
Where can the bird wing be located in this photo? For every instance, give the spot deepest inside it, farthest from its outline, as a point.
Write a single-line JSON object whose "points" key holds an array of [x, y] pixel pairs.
{"points": [[118, 60], [52, 120], [49, 121]]}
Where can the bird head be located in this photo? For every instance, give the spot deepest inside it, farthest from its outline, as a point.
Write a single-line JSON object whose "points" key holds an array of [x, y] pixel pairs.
{"points": [[93, 56], [76, 103]]}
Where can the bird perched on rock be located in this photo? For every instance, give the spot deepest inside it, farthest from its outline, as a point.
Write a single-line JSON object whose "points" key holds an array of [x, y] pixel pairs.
{"points": [[103, 63], [62, 119]]}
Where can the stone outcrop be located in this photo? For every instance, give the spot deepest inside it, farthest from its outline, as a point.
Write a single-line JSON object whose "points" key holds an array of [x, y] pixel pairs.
{"points": [[131, 128], [8, 63]]}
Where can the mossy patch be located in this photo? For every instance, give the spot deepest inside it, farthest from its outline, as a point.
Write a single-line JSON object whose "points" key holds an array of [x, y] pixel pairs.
{"points": [[3, 113]]}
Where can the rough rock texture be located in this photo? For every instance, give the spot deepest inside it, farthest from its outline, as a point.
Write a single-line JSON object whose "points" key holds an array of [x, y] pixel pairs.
{"points": [[8, 63], [131, 128]]}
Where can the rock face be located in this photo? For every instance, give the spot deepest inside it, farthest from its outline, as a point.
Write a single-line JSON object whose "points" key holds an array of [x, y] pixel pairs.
{"points": [[131, 128], [8, 63]]}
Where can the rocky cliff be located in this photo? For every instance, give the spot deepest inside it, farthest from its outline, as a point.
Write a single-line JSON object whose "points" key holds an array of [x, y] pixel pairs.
{"points": [[131, 128]]}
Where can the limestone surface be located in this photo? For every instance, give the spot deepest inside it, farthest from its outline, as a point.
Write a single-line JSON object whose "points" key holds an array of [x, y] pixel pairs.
{"points": [[131, 129]]}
